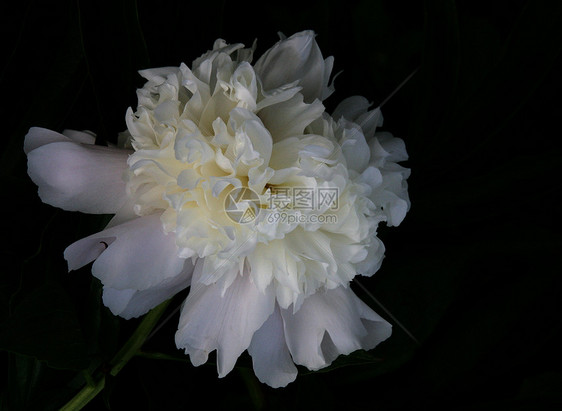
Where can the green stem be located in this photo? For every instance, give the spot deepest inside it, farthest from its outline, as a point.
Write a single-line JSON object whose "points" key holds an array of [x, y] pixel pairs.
{"points": [[253, 386], [128, 351], [133, 345], [85, 395], [163, 356]]}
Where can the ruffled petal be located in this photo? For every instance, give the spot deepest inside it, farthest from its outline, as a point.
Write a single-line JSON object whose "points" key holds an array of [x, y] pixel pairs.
{"points": [[132, 303], [351, 108], [290, 118], [296, 58], [135, 255], [392, 194], [329, 324], [213, 320], [354, 147], [76, 177], [271, 359], [356, 110], [372, 262]]}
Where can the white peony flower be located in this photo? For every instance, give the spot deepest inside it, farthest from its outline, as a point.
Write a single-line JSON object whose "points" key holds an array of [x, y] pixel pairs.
{"points": [[226, 137]]}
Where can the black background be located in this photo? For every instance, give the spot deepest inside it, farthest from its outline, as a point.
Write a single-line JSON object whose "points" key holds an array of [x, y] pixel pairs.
{"points": [[473, 272]]}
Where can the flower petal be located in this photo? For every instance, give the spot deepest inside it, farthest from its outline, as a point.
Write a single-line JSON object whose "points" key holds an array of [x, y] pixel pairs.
{"points": [[289, 118], [392, 194], [76, 177], [354, 147], [387, 148], [213, 320], [356, 110], [351, 108], [139, 254], [37, 137], [372, 262], [329, 324], [132, 303], [246, 123], [84, 137], [296, 58], [270, 356]]}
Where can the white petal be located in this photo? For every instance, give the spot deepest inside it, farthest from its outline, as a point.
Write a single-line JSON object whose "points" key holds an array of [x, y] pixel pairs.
{"points": [[369, 122], [289, 118], [356, 110], [372, 177], [37, 137], [392, 194], [270, 356], [329, 324], [351, 108], [158, 75], [393, 198], [245, 121], [139, 254], [86, 250], [354, 147], [124, 214], [372, 262], [132, 303], [378, 329], [389, 147], [296, 58], [84, 137], [226, 323], [78, 177]]}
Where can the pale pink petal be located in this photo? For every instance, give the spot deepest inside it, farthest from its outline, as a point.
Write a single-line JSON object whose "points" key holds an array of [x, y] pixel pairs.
{"points": [[212, 321], [132, 303], [272, 361], [38, 136], [84, 137], [139, 254], [329, 324], [79, 177]]}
